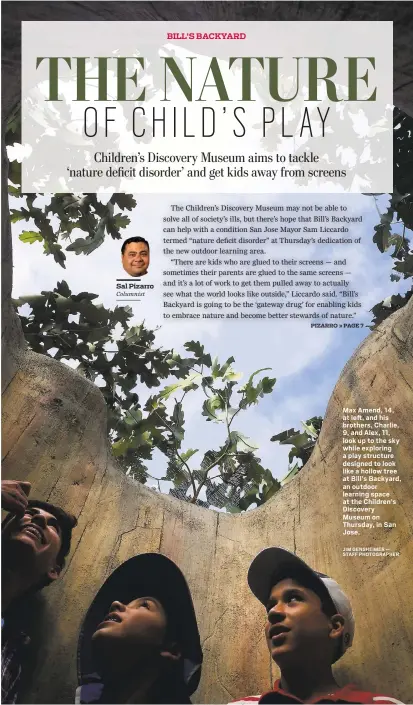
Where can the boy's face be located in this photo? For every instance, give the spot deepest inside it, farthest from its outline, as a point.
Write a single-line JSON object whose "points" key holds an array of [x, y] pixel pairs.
{"points": [[129, 634], [297, 629], [35, 540]]}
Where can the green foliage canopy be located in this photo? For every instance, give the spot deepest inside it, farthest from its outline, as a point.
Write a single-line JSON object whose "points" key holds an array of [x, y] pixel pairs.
{"points": [[111, 352]]}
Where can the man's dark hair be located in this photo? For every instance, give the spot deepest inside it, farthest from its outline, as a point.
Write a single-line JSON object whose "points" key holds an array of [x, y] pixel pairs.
{"points": [[133, 239]]}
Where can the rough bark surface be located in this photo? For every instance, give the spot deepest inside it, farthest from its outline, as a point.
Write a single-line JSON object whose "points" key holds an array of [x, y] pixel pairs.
{"points": [[54, 433]]}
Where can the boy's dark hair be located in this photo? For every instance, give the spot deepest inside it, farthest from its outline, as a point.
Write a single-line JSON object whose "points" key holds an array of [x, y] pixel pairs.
{"points": [[133, 239]]}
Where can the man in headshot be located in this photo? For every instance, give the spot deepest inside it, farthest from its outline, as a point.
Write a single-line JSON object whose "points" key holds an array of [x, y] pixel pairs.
{"points": [[135, 256], [36, 539], [310, 625]]}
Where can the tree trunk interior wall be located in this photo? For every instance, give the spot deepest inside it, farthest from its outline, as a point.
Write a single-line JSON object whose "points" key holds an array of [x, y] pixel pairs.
{"points": [[54, 435]]}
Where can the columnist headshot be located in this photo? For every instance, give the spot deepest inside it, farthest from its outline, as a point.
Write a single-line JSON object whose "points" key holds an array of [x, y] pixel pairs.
{"points": [[135, 256]]}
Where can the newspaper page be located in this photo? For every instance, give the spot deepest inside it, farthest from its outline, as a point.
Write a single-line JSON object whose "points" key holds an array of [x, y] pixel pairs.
{"points": [[207, 352]]}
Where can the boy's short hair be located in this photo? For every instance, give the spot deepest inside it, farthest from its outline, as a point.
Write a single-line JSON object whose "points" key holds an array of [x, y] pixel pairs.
{"points": [[133, 239]]}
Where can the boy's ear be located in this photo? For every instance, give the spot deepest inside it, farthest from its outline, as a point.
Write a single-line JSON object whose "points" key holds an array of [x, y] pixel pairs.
{"points": [[337, 626], [171, 652], [54, 572]]}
